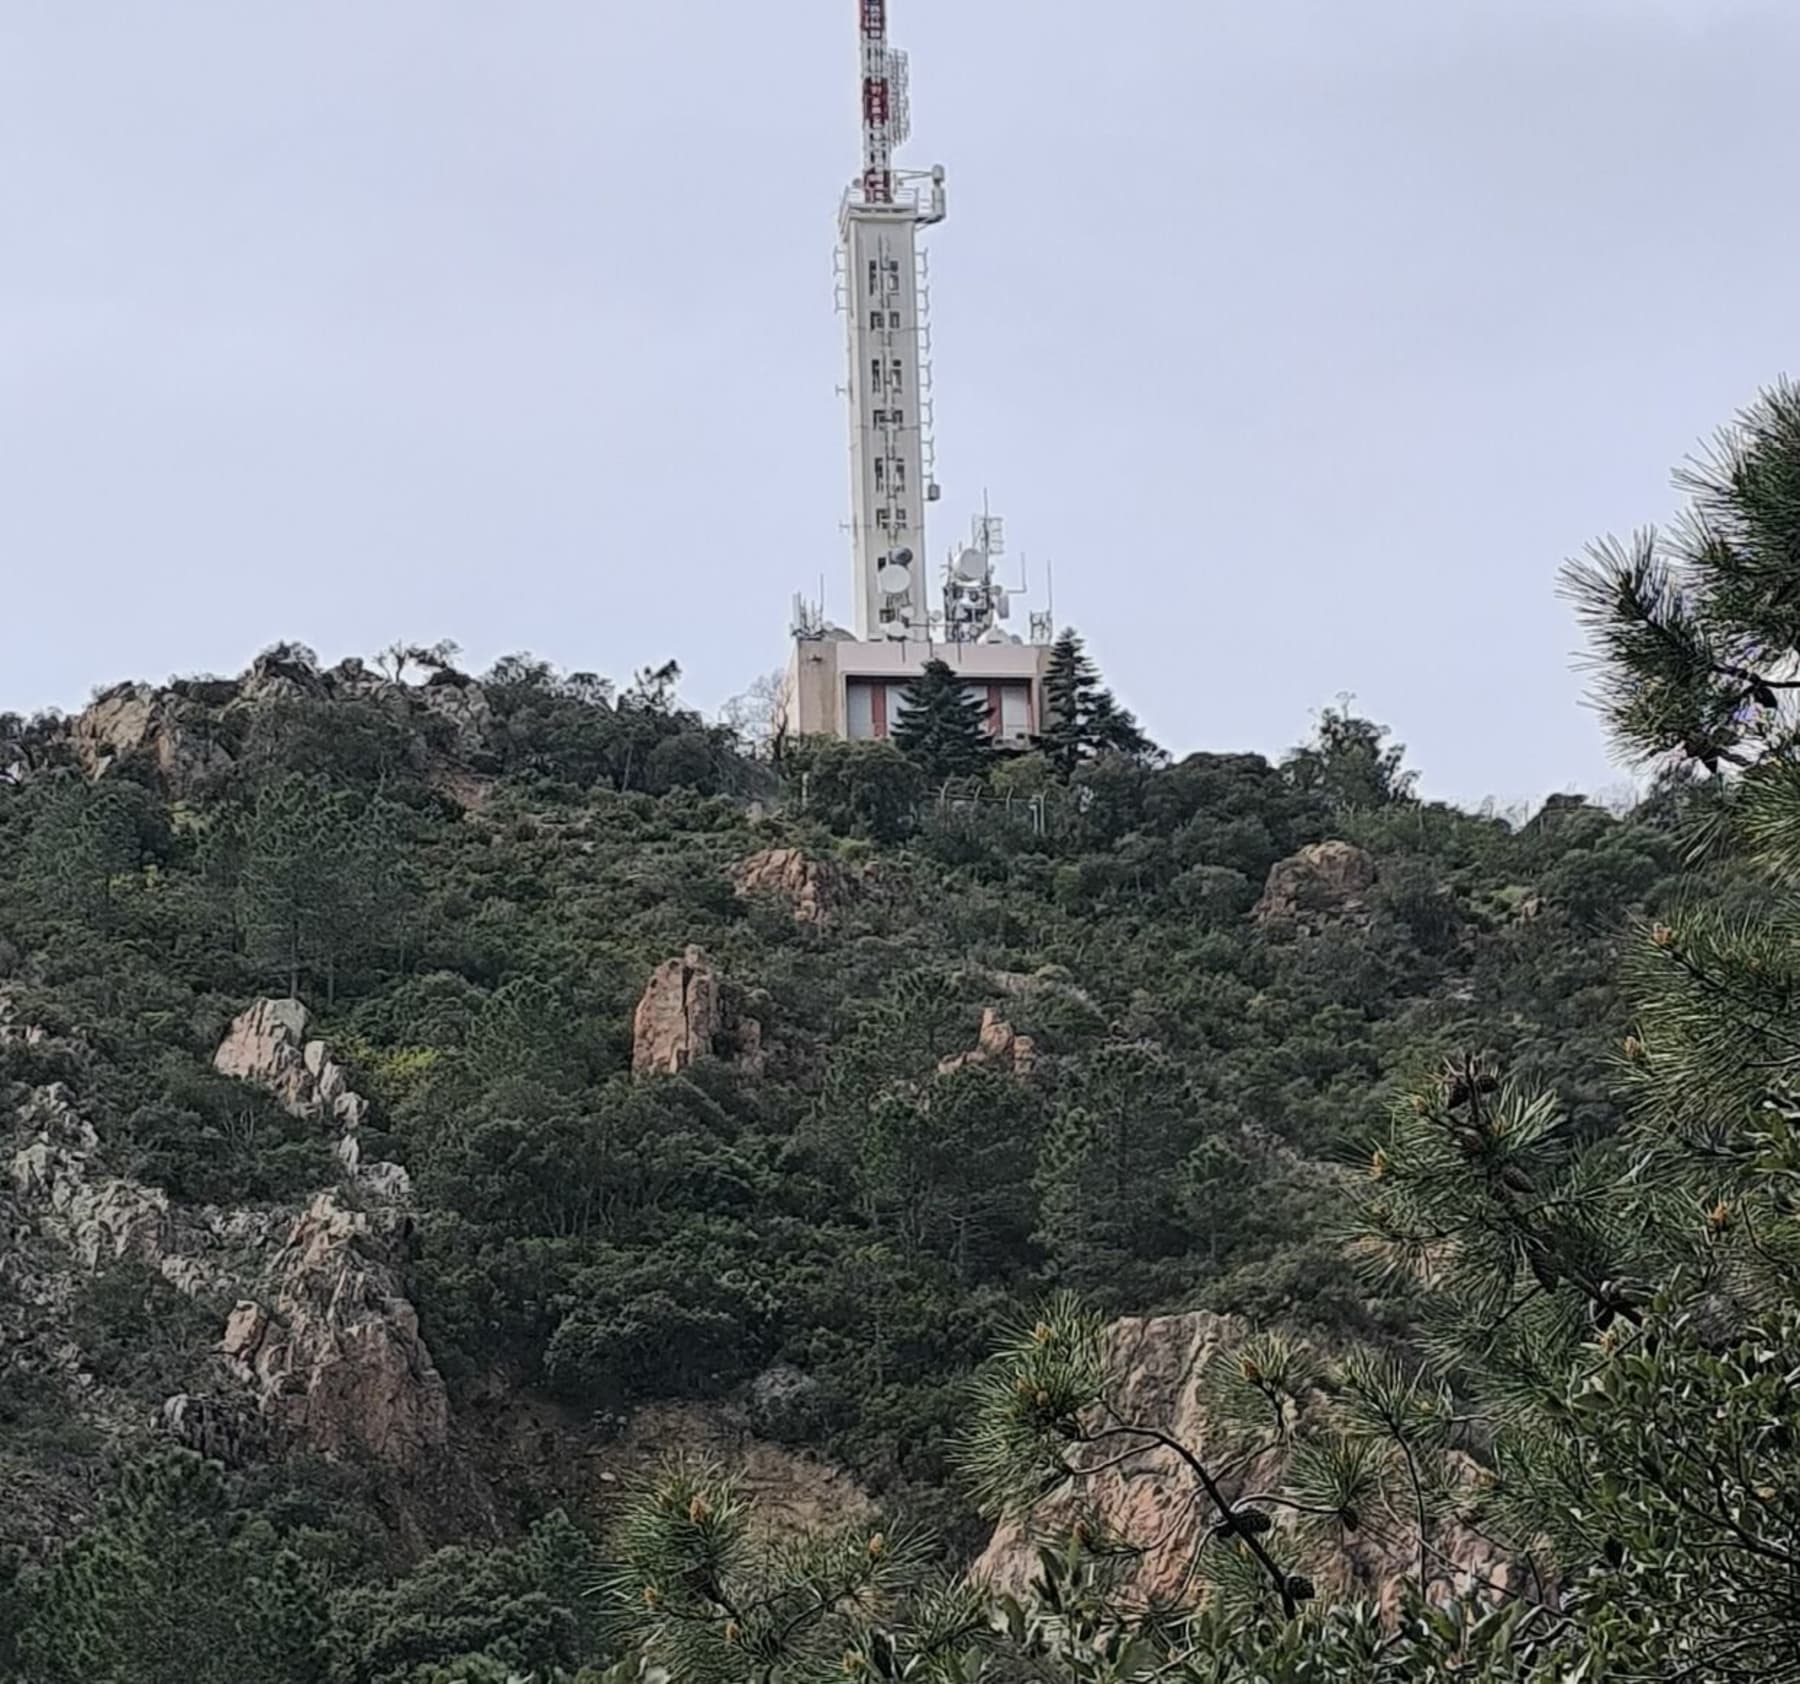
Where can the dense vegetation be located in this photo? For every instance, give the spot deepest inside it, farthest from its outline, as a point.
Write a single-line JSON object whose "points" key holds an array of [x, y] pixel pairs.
{"points": [[1577, 1260]]}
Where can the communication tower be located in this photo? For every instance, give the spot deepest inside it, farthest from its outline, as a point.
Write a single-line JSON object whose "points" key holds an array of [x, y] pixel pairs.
{"points": [[851, 683]]}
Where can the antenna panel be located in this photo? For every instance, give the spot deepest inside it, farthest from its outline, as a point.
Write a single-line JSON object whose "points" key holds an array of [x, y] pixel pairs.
{"points": [[899, 69]]}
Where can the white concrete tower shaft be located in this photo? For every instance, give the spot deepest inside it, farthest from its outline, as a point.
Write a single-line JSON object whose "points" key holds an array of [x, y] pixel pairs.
{"points": [[882, 215]]}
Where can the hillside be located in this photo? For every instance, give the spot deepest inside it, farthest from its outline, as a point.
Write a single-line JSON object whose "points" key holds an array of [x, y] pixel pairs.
{"points": [[432, 1099]]}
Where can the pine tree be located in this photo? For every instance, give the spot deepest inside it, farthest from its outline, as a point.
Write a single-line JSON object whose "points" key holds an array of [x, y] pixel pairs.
{"points": [[1351, 765], [319, 886], [174, 1584], [943, 725], [1622, 1311], [1108, 1180], [1082, 718]]}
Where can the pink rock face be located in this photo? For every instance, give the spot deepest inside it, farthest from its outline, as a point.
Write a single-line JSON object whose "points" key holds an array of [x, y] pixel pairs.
{"points": [[683, 1016], [267, 1045], [678, 1018], [1151, 1499], [335, 1357]]}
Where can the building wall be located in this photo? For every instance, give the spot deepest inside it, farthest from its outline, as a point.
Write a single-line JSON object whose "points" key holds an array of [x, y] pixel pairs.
{"points": [[822, 671]]}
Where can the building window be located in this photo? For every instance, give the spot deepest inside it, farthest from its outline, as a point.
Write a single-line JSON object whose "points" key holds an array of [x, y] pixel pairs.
{"points": [[897, 417], [881, 519], [899, 476], [897, 375], [880, 473], [893, 318], [877, 320], [874, 279], [875, 374], [899, 520]]}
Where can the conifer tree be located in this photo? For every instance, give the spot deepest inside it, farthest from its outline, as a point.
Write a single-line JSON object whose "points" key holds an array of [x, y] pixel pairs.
{"points": [[173, 1585], [1107, 1181], [943, 725], [1082, 718], [1624, 1311]]}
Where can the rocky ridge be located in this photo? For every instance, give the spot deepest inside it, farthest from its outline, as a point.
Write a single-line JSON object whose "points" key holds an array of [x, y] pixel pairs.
{"points": [[190, 734], [330, 1346]]}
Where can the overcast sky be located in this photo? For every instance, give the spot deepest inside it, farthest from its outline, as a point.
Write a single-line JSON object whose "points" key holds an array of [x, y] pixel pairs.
{"points": [[1306, 337]]}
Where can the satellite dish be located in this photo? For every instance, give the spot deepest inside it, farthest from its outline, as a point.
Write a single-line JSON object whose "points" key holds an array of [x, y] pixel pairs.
{"points": [[894, 579], [900, 558], [971, 565], [897, 630]]}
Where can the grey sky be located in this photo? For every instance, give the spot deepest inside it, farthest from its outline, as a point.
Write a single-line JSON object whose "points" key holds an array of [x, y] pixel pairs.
{"points": [[1306, 336]]}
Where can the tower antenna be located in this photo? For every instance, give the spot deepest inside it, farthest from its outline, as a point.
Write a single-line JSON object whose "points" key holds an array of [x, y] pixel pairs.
{"points": [[879, 105], [853, 683]]}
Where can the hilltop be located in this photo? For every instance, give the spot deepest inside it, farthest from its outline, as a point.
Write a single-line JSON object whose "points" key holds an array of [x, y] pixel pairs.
{"points": [[431, 1100]]}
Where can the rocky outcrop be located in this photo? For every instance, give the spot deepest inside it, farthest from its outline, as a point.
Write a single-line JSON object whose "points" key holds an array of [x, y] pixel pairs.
{"points": [[93, 1220], [189, 731], [787, 1493], [685, 1014], [811, 888], [998, 1047], [1323, 882], [100, 1219], [174, 734], [678, 1018], [268, 1045], [1158, 1364], [463, 707], [334, 1355]]}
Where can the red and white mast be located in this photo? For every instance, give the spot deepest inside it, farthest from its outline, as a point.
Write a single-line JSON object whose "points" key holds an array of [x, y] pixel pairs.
{"points": [[880, 105], [889, 388]]}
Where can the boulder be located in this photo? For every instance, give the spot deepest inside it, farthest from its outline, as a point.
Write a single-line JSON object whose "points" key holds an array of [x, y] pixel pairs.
{"points": [[1323, 882], [811, 888], [1158, 1364], [783, 1402], [684, 1015], [998, 1046], [334, 1357], [678, 1018]]}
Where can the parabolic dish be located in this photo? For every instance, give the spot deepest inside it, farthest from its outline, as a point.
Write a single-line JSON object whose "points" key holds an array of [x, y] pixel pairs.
{"points": [[894, 579], [971, 565]]}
